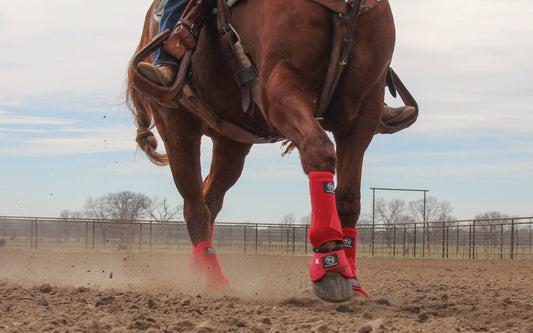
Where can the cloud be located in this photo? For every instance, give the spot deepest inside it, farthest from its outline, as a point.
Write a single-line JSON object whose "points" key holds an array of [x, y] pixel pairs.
{"points": [[140, 166], [9, 118], [21, 130], [86, 141], [66, 47]]}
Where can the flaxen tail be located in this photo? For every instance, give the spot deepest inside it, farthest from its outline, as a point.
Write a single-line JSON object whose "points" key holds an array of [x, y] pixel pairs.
{"points": [[143, 107]]}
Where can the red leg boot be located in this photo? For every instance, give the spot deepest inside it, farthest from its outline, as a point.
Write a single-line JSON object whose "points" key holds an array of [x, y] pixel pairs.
{"points": [[329, 269], [193, 261], [210, 266], [350, 249]]}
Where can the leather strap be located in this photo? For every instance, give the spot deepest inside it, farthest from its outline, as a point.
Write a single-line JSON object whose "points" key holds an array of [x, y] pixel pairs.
{"points": [[192, 101], [344, 27], [231, 43]]}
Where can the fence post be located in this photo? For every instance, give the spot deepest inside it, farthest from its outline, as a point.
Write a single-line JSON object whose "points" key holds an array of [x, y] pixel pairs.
{"points": [[230, 230], [256, 238], [474, 239], [470, 242], [394, 240], [501, 241], [424, 228], [244, 239], [443, 240], [404, 232], [414, 243], [293, 239], [512, 238], [36, 234], [140, 236], [94, 233], [305, 238], [150, 241], [31, 234]]}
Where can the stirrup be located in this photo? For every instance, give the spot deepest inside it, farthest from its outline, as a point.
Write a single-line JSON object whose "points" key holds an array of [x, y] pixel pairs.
{"points": [[162, 93]]}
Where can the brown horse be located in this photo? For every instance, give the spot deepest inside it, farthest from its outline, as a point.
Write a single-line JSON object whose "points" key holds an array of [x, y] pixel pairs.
{"points": [[289, 42]]}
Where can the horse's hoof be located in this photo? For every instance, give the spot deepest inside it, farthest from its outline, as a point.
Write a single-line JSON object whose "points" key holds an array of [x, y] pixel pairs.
{"points": [[221, 289], [333, 288]]}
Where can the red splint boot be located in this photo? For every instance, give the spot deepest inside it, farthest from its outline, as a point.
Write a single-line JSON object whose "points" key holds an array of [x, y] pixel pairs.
{"points": [[350, 247], [210, 266], [193, 262], [329, 269], [325, 223]]}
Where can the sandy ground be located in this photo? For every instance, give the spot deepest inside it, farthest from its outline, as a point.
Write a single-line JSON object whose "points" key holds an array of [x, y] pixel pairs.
{"points": [[119, 292]]}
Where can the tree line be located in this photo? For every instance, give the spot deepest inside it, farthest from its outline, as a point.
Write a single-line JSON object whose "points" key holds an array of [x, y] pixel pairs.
{"points": [[395, 211], [127, 206]]}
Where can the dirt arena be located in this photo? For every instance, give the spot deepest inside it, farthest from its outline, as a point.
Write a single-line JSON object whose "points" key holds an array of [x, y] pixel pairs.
{"points": [[124, 292]]}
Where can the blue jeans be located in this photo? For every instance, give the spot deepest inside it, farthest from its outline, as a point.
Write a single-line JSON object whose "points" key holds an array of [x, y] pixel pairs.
{"points": [[171, 14]]}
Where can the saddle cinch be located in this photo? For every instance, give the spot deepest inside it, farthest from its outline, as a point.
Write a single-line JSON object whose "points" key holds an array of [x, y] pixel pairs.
{"points": [[181, 43]]}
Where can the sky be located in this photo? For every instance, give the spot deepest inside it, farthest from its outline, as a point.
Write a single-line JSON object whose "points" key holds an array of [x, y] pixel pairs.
{"points": [[66, 135]]}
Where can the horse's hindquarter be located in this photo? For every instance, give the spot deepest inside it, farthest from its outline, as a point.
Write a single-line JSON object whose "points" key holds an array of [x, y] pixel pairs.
{"points": [[213, 74], [274, 33], [293, 38]]}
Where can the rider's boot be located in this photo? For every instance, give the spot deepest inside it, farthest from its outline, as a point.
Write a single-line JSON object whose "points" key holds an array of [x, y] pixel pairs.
{"points": [[181, 39], [160, 74], [393, 116]]}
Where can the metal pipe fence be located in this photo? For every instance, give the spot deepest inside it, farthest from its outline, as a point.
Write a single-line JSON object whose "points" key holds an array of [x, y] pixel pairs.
{"points": [[510, 238]]}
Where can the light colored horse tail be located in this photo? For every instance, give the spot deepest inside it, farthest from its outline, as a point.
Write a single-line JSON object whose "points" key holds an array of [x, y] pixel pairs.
{"points": [[143, 107]]}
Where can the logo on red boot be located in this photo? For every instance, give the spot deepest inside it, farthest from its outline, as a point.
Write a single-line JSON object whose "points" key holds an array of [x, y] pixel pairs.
{"points": [[329, 187], [348, 242], [330, 261], [210, 251]]}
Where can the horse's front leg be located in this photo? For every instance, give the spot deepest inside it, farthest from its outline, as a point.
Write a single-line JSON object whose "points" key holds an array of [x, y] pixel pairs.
{"points": [[182, 133], [291, 111]]}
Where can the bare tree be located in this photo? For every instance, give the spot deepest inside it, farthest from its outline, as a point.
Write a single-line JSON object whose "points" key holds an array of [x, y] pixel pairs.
{"points": [[487, 224], [288, 219], [435, 210], [306, 219], [68, 226], [70, 214], [390, 213], [488, 217], [161, 211], [125, 205]]}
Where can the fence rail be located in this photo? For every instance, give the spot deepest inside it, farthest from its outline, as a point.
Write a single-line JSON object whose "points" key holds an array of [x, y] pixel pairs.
{"points": [[474, 239]]}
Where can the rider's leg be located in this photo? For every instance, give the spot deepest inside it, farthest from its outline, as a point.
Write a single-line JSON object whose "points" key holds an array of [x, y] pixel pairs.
{"points": [[165, 65]]}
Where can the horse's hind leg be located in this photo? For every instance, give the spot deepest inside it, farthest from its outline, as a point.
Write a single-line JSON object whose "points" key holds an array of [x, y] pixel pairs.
{"points": [[182, 133], [351, 146], [226, 168], [291, 111]]}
